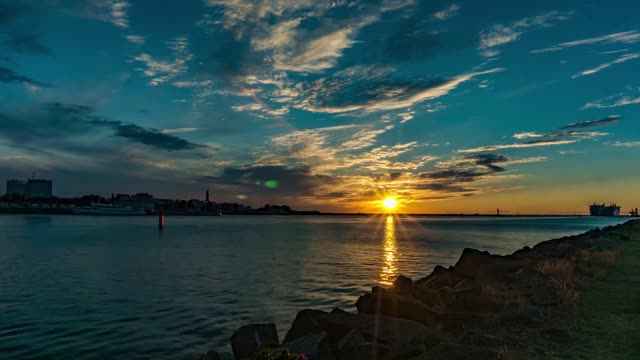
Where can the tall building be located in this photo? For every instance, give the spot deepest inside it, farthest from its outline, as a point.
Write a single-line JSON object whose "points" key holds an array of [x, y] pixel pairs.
{"points": [[16, 187], [208, 196], [38, 188]]}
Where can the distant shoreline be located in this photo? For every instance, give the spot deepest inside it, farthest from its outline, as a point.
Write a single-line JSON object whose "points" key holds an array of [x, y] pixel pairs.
{"points": [[66, 211]]}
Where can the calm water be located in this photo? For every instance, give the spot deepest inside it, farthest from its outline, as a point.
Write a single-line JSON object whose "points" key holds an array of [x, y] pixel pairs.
{"points": [[115, 287]]}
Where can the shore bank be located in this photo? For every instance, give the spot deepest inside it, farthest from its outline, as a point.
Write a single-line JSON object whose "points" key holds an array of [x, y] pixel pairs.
{"points": [[527, 305]]}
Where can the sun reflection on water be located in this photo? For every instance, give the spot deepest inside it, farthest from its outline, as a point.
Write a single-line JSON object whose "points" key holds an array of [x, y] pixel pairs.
{"points": [[390, 256]]}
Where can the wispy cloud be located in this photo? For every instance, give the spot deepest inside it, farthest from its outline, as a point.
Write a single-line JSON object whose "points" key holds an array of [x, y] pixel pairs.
{"points": [[161, 71], [601, 67], [112, 11], [136, 39], [630, 97], [627, 37], [500, 34], [447, 13], [529, 144], [393, 97], [556, 134], [178, 130], [628, 144]]}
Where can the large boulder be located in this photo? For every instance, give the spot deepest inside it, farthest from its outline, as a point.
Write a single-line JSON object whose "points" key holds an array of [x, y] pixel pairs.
{"points": [[403, 337], [315, 346], [250, 339], [405, 306], [354, 346]]}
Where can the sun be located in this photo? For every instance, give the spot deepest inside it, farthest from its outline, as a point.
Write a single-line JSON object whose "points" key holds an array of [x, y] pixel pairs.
{"points": [[389, 203]]}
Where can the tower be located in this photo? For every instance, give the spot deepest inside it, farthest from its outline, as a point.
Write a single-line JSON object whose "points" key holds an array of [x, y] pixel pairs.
{"points": [[208, 201]]}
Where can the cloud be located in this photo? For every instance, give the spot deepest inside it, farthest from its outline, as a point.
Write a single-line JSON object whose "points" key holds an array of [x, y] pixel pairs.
{"points": [[10, 76], [148, 136], [591, 123], [528, 144], [627, 37], [556, 134], [286, 181], [60, 125], [447, 13], [500, 34], [135, 39], [620, 60], [178, 130], [160, 71], [628, 144], [112, 11], [319, 54], [371, 96], [631, 97], [28, 44]]}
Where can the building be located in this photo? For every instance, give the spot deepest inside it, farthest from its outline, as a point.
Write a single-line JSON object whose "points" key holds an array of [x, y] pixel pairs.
{"points": [[143, 201], [122, 200], [38, 189], [16, 187]]}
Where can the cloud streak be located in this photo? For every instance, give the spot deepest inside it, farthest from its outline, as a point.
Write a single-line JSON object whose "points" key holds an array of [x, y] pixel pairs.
{"points": [[528, 144], [9, 76], [601, 67], [627, 37]]}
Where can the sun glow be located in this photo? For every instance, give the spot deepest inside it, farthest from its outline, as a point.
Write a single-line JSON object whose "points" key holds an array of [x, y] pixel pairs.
{"points": [[389, 203]]}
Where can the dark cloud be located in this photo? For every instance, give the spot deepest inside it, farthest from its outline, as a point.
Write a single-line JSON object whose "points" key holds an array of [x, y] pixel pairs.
{"points": [[461, 172], [52, 122], [281, 180], [28, 44], [10, 76], [148, 136], [488, 161], [591, 123]]}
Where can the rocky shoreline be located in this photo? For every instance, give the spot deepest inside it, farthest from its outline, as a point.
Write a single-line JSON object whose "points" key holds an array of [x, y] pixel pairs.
{"points": [[484, 307]]}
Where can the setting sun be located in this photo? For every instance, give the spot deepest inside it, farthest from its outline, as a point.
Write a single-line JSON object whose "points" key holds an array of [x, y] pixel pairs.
{"points": [[389, 203]]}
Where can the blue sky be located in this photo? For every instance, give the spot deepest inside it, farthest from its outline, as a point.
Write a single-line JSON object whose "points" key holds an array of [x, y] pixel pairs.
{"points": [[450, 106]]}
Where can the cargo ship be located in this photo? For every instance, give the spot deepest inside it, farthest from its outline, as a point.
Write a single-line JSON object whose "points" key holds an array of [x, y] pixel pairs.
{"points": [[604, 210]]}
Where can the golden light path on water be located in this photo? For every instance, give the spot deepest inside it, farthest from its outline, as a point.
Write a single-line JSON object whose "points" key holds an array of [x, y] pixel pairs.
{"points": [[390, 256]]}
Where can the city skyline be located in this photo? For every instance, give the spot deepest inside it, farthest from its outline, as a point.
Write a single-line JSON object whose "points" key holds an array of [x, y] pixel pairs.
{"points": [[449, 107]]}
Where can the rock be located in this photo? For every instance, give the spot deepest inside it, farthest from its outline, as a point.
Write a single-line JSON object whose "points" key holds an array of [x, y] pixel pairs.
{"points": [[353, 339], [210, 355], [315, 347], [441, 277], [397, 305], [250, 339], [404, 337], [403, 284]]}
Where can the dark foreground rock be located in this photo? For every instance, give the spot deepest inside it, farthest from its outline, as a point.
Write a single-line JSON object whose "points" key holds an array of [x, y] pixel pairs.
{"points": [[484, 307], [250, 339]]}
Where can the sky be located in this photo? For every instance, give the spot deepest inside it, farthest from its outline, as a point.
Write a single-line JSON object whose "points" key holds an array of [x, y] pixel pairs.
{"points": [[449, 106]]}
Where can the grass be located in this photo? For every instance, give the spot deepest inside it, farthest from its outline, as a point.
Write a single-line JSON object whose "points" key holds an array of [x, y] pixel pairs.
{"points": [[606, 322]]}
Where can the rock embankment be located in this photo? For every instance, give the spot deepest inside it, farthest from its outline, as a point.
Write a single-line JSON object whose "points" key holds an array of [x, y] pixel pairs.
{"points": [[484, 307]]}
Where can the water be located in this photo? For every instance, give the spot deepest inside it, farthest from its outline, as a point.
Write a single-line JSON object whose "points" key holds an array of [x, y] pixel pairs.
{"points": [[116, 287]]}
